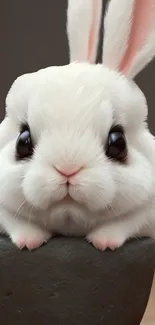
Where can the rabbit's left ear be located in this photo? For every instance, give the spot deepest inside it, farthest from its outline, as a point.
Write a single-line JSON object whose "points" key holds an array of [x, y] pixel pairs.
{"points": [[83, 24], [129, 40]]}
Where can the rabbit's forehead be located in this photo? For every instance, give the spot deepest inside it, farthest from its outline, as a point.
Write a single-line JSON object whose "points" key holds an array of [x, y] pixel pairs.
{"points": [[67, 98], [76, 108], [74, 93], [77, 92], [68, 91]]}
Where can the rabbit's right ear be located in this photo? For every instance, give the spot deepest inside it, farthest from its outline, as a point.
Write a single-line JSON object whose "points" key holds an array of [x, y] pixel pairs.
{"points": [[83, 24]]}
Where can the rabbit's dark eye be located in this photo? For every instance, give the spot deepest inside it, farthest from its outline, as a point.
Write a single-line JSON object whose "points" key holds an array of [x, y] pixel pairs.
{"points": [[24, 146], [116, 144]]}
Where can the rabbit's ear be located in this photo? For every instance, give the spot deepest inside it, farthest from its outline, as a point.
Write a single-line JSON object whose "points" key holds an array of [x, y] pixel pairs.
{"points": [[129, 40], [83, 24]]}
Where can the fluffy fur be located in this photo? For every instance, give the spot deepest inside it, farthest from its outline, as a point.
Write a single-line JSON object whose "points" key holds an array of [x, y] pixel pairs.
{"points": [[83, 24], [129, 40], [70, 111]]}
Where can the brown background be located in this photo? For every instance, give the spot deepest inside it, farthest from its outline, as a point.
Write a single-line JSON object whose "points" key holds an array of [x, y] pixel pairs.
{"points": [[32, 36]]}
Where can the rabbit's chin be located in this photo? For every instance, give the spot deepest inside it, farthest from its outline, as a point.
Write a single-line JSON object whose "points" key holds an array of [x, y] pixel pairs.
{"points": [[71, 218]]}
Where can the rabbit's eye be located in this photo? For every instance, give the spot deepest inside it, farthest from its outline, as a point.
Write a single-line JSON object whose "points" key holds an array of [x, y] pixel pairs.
{"points": [[116, 144], [24, 146]]}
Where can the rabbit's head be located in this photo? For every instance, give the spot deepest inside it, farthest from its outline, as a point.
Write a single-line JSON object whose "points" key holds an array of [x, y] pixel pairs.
{"points": [[77, 133]]}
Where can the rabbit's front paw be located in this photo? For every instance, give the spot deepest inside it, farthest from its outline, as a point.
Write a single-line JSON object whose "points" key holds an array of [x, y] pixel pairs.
{"points": [[105, 238], [29, 236]]}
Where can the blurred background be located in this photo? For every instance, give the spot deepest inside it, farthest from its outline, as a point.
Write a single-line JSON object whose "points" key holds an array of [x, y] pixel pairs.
{"points": [[33, 36]]}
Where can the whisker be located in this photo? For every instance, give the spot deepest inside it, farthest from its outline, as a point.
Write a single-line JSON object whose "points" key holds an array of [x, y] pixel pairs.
{"points": [[112, 208], [19, 209], [30, 214]]}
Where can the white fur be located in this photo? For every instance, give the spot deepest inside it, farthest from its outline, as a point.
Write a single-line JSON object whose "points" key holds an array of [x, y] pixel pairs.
{"points": [[143, 57], [116, 31], [118, 24], [70, 111], [68, 132], [82, 18]]}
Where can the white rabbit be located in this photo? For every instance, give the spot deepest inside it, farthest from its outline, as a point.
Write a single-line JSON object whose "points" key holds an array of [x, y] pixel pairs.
{"points": [[76, 156]]}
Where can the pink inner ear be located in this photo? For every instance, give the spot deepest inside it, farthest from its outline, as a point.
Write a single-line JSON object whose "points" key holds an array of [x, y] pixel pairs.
{"points": [[142, 25], [92, 32]]}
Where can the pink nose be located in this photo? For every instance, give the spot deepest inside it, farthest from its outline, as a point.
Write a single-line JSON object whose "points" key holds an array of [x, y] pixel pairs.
{"points": [[68, 173]]}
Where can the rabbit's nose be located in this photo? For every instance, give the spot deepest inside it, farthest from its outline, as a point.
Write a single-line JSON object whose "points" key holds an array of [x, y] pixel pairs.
{"points": [[68, 173]]}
